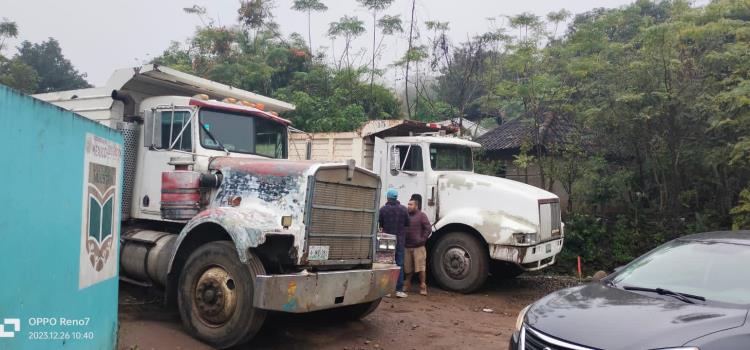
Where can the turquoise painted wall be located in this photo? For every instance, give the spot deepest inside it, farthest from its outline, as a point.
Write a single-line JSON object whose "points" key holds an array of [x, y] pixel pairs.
{"points": [[41, 194]]}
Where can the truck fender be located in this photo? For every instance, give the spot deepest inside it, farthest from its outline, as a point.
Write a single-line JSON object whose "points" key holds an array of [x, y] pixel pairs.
{"points": [[496, 227], [246, 227]]}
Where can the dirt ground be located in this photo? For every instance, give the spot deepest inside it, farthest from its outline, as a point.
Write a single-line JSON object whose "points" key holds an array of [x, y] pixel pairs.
{"points": [[442, 320]]}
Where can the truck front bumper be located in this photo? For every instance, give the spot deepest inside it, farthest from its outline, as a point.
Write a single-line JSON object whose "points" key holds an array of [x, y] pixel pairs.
{"points": [[305, 291], [529, 258]]}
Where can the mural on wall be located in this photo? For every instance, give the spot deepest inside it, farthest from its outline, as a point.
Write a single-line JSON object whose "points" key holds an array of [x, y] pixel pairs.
{"points": [[101, 209]]}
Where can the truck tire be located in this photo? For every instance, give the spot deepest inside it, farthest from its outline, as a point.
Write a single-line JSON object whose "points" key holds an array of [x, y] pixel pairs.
{"points": [[459, 262], [354, 312], [215, 295]]}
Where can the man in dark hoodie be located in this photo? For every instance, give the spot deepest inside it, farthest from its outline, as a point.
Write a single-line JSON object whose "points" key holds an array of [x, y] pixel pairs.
{"points": [[393, 219], [415, 259]]}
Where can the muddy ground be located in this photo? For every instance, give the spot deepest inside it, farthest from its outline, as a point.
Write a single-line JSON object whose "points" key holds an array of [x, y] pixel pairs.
{"points": [[442, 320]]}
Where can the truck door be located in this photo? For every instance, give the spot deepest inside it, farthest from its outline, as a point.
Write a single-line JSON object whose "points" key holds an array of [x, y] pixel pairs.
{"points": [[168, 134], [408, 174]]}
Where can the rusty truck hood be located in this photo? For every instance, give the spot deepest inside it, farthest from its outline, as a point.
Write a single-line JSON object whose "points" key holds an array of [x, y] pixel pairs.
{"points": [[268, 189]]}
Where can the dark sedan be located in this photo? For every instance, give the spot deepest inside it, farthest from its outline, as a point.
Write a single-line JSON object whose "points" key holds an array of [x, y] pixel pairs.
{"points": [[692, 293]]}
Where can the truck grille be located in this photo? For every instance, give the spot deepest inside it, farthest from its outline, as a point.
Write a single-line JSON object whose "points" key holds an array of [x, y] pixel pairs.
{"points": [[533, 340], [342, 218], [549, 219]]}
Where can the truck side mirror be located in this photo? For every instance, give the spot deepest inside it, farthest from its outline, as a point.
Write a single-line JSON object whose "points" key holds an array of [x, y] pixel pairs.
{"points": [[395, 163], [152, 129]]}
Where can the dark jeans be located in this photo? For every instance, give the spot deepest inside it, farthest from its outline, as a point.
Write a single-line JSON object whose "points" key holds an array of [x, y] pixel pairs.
{"points": [[400, 262]]}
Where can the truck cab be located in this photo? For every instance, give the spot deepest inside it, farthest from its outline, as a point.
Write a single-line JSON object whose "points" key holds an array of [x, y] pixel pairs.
{"points": [[198, 129], [481, 224], [215, 216]]}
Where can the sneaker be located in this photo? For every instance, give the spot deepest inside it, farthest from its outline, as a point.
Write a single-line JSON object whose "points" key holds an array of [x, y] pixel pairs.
{"points": [[423, 290], [401, 295], [388, 295]]}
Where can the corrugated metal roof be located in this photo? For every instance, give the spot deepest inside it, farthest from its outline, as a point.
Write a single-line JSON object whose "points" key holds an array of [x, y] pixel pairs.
{"points": [[552, 129]]}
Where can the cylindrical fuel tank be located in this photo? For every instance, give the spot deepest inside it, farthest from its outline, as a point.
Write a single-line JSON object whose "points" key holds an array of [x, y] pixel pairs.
{"points": [[144, 256], [180, 194]]}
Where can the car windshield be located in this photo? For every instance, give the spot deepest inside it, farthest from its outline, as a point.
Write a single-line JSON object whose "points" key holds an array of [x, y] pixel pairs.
{"points": [[450, 157], [716, 271], [242, 133]]}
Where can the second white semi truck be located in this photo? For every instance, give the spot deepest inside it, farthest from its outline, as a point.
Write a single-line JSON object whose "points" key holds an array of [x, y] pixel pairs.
{"points": [[481, 224]]}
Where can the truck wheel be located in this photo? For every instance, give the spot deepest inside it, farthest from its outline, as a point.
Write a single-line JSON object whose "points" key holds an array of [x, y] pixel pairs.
{"points": [[459, 262], [503, 270], [215, 295], [353, 312]]}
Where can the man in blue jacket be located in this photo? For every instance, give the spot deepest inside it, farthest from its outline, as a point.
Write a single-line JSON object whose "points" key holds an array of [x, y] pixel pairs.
{"points": [[393, 219]]}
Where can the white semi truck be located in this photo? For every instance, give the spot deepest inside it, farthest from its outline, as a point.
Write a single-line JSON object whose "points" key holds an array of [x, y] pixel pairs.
{"points": [[214, 215], [480, 223]]}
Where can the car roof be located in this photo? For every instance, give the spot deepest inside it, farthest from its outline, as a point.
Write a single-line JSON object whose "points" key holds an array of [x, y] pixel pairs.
{"points": [[733, 237]]}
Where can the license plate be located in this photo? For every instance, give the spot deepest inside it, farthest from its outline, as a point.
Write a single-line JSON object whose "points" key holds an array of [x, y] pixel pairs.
{"points": [[548, 248], [318, 252]]}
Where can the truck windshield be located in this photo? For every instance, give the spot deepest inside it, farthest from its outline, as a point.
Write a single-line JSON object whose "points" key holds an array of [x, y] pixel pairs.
{"points": [[450, 157], [242, 133]]}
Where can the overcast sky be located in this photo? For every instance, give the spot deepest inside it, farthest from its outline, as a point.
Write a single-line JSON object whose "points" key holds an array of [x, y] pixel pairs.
{"points": [[99, 36]]}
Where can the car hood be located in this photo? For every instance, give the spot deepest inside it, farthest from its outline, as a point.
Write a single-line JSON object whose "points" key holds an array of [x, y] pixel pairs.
{"points": [[599, 316]]}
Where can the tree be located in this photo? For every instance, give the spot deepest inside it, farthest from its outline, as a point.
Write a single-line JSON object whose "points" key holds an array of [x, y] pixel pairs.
{"points": [[408, 59], [309, 6], [262, 61], [376, 6], [8, 29], [18, 75], [461, 67], [350, 28], [557, 17], [257, 15], [55, 72]]}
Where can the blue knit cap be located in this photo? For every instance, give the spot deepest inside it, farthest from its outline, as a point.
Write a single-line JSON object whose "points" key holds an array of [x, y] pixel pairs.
{"points": [[391, 194]]}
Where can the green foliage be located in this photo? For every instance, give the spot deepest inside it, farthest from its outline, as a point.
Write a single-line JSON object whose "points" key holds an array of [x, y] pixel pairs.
{"points": [[55, 72], [741, 213], [584, 236], [326, 102], [36, 68], [309, 6], [487, 166], [260, 60], [390, 25], [255, 14], [18, 75], [8, 29], [348, 26], [604, 244], [656, 94]]}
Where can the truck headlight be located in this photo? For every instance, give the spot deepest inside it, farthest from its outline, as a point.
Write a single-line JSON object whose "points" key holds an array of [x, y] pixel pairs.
{"points": [[386, 241], [521, 316], [525, 237]]}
